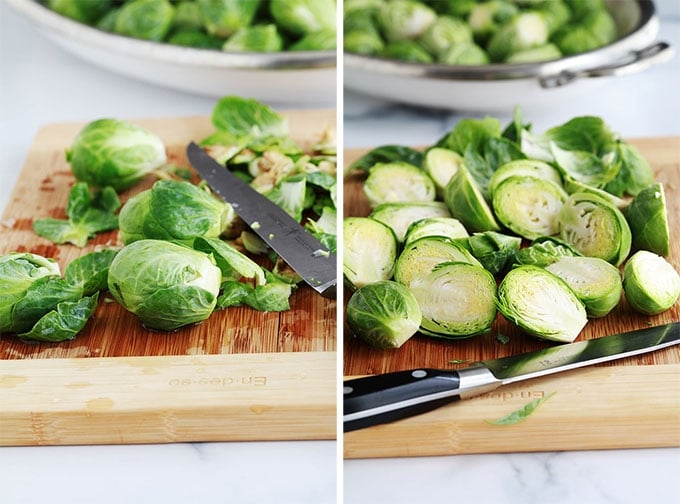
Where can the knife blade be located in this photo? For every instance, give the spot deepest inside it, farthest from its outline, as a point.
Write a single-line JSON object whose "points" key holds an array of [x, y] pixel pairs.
{"points": [[378, 399], [315, 264]]}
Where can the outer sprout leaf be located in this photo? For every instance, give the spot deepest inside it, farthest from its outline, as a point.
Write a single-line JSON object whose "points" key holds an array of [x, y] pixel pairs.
{"points": [[387, 154], [247, 117], [522, 413], [87, 216], [64, 322], [90, 272]]}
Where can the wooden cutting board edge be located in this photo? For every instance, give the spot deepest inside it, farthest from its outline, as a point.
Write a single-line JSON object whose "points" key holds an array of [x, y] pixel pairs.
{"points": [[163, 399], [636, 407], [122, 400]]}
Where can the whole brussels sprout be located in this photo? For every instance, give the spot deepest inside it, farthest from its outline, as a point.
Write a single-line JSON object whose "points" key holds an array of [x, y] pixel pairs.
{"points": [[650, 283], [165, 285], [111, 152], [173, 210], [85, 11]]}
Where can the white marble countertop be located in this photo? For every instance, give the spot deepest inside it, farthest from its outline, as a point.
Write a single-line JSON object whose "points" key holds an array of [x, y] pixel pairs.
{"points": [[41, 84]]}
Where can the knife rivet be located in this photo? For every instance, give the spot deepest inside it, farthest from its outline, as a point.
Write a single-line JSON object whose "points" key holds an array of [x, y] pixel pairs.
{"points": [[419, 373], [347, 390]]}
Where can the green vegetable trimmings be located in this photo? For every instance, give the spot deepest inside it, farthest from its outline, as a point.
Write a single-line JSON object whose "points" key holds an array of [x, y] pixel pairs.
{"points": [[522, 413]]}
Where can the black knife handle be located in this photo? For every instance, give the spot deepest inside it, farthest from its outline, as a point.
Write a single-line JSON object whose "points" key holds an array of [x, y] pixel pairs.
{"points": [[384, 398]]}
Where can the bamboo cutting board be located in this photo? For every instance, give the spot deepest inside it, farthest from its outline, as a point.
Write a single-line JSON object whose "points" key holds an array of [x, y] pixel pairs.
{"points": [[623, 404], [240, 375]]}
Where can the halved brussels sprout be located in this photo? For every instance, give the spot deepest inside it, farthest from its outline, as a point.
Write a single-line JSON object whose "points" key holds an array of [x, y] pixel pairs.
{"points": [[596, 282], [648, 220], [145, 19], [524, 31], [446, 31], [650, 283], [467, 204], [405, 19], [464, 54], [456, 299], [485, 18], [595, 227], [258, 38], [398, 182], [407, 50], [369, 251], [419, 257], [573, 186], [545, 52], [301, 17], [529, 205], [542, 304], [399, 216], [435, 226], [384, 314], [441, 164], [524, 167]]}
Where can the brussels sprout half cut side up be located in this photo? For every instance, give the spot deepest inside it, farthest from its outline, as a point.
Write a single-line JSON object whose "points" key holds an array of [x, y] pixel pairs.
{"points": [[399, 216], [596, 282], [384, 314], [542, 304], [419, 258], [369, 251], [529, 206], [435, 226], [457, 300], [166, 285], [398, 182], [595, 227], [650, 283]]}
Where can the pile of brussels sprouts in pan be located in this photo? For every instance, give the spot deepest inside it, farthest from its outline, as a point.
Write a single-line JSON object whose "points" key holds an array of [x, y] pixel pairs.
{"points": [[548, 229], [476, 32], [229, 25], [185, 253]]}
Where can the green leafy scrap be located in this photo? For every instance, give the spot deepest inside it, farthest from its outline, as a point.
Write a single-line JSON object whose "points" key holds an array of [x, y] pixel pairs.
{"points": [[88, 214], [522, 413]]}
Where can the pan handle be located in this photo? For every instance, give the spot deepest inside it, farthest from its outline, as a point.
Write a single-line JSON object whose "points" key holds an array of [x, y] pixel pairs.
{"points": [[635, 61]]}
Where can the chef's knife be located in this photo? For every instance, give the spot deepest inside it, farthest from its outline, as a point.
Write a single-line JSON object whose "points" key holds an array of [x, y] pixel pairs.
{"points": [[384, 398], [315, 264]]}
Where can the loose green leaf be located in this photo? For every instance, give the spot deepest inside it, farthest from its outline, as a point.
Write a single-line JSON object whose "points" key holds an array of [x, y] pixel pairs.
{"points": [[87, 215], [63, 323], [247, 117], [90, 272], [387, 154], [521, 414]]}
